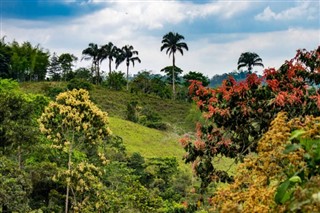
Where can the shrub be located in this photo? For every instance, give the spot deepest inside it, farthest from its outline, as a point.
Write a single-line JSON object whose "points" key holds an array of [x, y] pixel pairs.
{"points": [[79, 84]]}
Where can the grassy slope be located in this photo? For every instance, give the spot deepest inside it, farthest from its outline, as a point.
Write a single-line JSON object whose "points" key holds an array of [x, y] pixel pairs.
{"points": [[115, 103], [148, 142]]}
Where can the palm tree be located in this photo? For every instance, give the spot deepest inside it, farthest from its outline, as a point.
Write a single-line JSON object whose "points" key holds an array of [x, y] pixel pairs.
{"points": [[249, 59], [93, 52], [172, 42], [109, 51], [127, 54]]}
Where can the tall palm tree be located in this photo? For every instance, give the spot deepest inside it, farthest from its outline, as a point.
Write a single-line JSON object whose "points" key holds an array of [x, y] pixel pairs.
{"points": [[109, 51], [93, 52], [127, 54], [172, 42], [249, 59]]}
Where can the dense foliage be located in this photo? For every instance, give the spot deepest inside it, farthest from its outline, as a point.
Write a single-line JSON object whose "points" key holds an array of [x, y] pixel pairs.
{"points": [[75, 164], [239, 113], [283, 176]]}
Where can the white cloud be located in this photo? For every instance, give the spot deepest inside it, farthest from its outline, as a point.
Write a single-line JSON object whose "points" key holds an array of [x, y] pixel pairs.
{"points": [[131, 23], [302, 9]]}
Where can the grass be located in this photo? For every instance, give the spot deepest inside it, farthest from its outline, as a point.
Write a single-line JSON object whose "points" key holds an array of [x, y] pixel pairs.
{"points": [[148, 142], [115, 103]]}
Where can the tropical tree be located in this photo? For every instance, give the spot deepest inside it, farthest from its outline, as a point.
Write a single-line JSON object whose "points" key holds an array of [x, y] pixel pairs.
{"points": [[198, 76], [172, 42], [5, 55], [249, 59], [28, 62], [54, 69], [127, 54], [110, 52], [93, 52], [74, 122], [170, 70], [66, 61]]}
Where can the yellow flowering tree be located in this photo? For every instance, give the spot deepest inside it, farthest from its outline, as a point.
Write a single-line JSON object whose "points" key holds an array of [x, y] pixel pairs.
{"points": [[74, 123], [284, 174]]}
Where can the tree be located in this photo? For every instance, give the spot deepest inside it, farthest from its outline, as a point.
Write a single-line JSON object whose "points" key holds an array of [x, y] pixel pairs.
{"points": [[249, 59], [238, 113], [66, 62], [198, 76], [127, 54], [170, 78], [93, 53], [74, 122], [54, 69], [172, 42], [109, 51], [116, 80], [28, 62], [5, 57]]}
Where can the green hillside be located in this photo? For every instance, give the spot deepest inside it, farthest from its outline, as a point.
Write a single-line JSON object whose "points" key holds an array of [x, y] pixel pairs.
{"points": [[137, 138], [174, 113], [148, 142]]}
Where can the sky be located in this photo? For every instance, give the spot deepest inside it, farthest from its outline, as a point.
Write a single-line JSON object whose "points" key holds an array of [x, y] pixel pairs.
{"points": [[216, 32]]}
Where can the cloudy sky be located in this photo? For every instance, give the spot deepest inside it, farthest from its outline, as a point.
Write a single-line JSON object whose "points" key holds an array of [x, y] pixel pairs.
{"points": [[217, 32]]}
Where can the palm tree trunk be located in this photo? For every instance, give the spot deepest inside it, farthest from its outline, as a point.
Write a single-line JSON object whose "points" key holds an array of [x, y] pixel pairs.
{"points": [[127, 77], [109, 66], [173, 78]]}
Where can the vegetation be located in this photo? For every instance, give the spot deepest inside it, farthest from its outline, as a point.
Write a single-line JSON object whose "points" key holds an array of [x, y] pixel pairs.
{"points": [[172, 43], [80, 142], [239, 113], [249, 60], [127, 54]]}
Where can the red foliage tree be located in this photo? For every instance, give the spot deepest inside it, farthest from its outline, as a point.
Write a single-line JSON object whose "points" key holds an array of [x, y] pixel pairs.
{"points": [[239, 113]]}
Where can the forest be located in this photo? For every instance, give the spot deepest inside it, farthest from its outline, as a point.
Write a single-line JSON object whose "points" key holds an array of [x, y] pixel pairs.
{"points": [[88, 140]]}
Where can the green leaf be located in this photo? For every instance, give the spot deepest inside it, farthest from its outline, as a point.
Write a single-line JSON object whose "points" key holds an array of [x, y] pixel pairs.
{"points": [[296, 134], [295, 179], [291, 148], [282, 193]]}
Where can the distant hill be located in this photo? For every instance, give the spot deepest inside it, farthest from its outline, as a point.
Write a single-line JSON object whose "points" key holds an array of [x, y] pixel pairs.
{"points": [[216, 80]]}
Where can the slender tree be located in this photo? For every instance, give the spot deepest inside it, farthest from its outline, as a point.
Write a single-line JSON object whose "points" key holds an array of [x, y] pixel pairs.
{"points": [[109, 51], [93, 52], [66, 61], [249, 59], [173, 42], [127, 54]]}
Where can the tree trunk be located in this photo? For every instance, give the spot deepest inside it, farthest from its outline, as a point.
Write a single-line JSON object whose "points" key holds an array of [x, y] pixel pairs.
{"points": [[68, 184], [173, 78], [128, 76], [109, 66]]}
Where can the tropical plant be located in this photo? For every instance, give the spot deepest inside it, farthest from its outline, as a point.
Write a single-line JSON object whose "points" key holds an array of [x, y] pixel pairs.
{"points": [[93, 52], [5, 57], [109, 51], [54, 69], [238, 113], [249, 59], [66, 61], [116, 80], [73, 122], [127, 54], [28, 62], [198, 76], [169, 72], [173, 42]]}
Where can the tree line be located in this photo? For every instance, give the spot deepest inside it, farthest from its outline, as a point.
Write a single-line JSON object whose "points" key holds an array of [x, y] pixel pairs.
{"points": [[25, 62]]}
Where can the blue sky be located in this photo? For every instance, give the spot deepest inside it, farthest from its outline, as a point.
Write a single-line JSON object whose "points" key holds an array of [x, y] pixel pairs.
{"points": [[217, 32]]}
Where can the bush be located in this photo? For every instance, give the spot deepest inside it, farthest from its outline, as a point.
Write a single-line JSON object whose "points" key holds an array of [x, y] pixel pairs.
{"points": [[79, 84], [52, 92]]}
